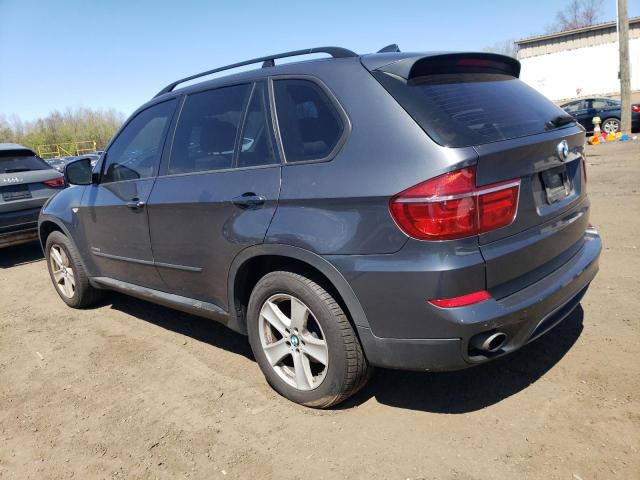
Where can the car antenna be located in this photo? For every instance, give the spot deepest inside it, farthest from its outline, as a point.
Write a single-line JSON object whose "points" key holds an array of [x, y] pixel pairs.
{"points": [[393, 48]]}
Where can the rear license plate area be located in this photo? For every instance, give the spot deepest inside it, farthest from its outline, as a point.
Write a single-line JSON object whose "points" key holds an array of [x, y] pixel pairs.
{"points": [[15, 192], [556, 184]]}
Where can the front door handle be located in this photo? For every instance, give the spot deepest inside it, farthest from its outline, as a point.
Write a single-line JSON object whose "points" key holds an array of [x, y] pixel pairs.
{"points": [[135, 204], [249, 200]]}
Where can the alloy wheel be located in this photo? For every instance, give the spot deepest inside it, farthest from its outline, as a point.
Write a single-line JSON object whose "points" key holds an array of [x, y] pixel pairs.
{"points": [[611, 126], [293, 341], [62, 271]]}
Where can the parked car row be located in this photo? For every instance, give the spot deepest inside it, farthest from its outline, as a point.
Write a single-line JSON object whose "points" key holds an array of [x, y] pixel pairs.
{"points": [[607, 109]]}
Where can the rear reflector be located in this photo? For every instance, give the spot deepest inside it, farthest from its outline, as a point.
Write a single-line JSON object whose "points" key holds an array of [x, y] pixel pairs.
{"points": [[451, 206], [462, 301], [55, 182], [635, 108]]}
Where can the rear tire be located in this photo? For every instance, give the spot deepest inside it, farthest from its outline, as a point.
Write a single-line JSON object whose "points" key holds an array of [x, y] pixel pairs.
{"points": [[303, 341], [67, 273], [611, 125]]}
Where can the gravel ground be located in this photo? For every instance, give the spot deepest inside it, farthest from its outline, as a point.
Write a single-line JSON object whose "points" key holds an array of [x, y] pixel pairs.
{"points": [[133, 390]]}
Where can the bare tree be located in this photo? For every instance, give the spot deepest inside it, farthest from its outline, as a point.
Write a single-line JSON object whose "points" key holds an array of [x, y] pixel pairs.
{"points": [[577, 14], [504, 47]]}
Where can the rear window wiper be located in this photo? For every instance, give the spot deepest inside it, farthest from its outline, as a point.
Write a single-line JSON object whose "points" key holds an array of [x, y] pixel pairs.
{"points": [[558, 121]]}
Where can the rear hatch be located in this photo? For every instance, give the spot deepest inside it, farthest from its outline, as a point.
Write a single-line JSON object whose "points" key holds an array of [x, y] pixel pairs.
{"points": [[26, 182], [477, 100]]}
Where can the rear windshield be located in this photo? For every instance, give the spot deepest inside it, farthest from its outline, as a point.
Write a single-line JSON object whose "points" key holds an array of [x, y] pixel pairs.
{"points": [[462, 109], [12, 161]]}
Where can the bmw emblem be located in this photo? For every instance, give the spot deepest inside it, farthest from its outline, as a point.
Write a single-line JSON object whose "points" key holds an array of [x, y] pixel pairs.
{"points": [[563, 150]]}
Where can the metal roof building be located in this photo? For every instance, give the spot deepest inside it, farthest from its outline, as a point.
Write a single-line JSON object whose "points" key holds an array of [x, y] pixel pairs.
{"points": [[579, 63]]}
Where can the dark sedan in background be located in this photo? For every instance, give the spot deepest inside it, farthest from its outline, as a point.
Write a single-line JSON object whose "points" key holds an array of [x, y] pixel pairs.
{"points": [[607, 109], [26, 182]]}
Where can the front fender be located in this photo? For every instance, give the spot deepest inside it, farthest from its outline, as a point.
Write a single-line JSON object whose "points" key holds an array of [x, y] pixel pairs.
{"points": [[59, 210]]}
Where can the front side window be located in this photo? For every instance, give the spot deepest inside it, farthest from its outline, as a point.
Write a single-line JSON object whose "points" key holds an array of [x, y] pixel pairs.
{"points": [[573, 106], [135, 153], [310, 126], [206, 134]]}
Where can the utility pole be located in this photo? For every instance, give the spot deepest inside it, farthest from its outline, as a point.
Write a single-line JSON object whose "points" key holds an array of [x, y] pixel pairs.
{"points": [[624, 72]]}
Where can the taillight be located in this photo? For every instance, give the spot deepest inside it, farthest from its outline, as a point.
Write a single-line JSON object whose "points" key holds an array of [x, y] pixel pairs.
{"points": [[451, 206], [54, 182], [635, 108]]}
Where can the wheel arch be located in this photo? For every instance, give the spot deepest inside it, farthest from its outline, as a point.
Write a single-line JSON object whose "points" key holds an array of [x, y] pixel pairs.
{"points": [[254, 262], [47, 225]]}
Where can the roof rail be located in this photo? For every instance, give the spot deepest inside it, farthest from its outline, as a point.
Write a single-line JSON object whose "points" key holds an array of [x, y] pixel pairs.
{"points": [[268, 61]]}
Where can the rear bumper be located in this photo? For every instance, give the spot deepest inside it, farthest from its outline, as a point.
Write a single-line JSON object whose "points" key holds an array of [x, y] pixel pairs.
{"points": [[523, 316], [18, 237], [18, 227]]}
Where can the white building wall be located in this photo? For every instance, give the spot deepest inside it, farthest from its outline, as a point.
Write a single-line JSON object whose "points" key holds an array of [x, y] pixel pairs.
{"points": [[580, 72]]}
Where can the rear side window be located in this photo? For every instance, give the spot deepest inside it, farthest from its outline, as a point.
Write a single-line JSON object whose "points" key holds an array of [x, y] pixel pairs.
{"points": [[602, 103], [13, 161], [135, 153], [310, 126], [462, 109], [206, 134]]}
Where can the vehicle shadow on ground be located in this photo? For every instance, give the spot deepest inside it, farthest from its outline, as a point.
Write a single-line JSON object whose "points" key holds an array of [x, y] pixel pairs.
{"points": [[474, 388], [200, 329], [443, 392], [20, 255]]}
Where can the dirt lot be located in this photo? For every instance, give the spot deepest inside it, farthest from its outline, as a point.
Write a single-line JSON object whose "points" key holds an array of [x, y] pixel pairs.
{"points": [[132, 390]]}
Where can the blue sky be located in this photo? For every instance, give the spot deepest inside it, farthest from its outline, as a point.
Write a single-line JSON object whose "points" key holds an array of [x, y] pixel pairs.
{"points": [[118, 54]]}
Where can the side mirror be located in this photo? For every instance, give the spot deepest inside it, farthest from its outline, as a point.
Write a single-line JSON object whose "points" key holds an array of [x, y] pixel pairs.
{"points": [[79, 172]]}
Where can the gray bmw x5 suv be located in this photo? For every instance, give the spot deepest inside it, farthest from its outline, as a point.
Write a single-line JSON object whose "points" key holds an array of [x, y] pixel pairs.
{"points": [[421, 211]]}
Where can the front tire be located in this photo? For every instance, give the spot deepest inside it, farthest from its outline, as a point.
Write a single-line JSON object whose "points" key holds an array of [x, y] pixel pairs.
{"points": [[303, 341], [67, 272]]}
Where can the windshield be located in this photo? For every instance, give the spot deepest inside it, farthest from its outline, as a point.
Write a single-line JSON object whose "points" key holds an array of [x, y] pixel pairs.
{"points": [[462, 109], [14, 161]]}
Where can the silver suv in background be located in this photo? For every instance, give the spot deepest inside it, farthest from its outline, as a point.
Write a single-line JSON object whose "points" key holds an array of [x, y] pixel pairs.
{"points": [[26, 182]]}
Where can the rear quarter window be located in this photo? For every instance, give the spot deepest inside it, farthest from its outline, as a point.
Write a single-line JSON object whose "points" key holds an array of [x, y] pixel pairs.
{"points": [[463, 109], [310, 126]]}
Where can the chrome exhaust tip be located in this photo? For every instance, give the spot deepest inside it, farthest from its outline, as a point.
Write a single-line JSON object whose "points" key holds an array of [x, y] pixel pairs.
{"points": [[489, 342]]}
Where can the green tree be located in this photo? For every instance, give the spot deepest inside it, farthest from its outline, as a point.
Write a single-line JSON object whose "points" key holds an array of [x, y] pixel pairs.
{"points": [[71, 125]]}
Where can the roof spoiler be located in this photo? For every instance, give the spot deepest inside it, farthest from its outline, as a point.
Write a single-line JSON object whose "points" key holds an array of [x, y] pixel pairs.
{"points": [[433, 64]]}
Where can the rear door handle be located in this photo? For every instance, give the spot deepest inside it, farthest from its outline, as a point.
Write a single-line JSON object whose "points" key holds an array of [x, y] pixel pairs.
{"points": [[249, 200], [135, 204]]}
